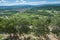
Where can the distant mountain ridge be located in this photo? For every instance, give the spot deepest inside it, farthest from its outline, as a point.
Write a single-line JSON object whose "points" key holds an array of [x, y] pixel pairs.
{"points": [[19, 7]]}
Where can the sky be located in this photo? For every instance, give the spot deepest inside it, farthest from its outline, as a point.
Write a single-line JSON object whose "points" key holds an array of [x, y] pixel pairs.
{"points": [[27, 2]]}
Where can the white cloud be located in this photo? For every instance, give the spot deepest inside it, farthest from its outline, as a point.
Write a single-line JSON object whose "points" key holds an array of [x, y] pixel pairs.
{"points": [[20, 2], [2, 1], [55, 2]]}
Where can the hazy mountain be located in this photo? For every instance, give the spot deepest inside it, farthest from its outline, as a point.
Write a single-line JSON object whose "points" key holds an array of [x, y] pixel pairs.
{"points": [[20, 7]]}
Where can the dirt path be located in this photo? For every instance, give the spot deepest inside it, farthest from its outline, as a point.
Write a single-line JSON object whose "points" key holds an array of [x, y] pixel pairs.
{"points": [[51, 36]]}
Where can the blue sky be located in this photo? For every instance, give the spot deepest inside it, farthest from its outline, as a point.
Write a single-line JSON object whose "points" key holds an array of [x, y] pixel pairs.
{"points": [[27, 2]]}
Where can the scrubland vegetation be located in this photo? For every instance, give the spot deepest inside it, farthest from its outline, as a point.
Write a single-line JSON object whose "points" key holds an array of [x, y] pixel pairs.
{"points": [[32, 25]]}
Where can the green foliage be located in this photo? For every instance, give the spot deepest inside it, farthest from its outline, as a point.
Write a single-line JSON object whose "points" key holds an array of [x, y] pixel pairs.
{"points": [[26, 23], [56, 24], [40, 26]]}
